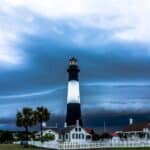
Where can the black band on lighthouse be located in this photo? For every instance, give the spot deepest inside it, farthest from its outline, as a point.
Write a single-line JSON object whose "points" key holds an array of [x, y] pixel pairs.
{"points": [[73, 114]]}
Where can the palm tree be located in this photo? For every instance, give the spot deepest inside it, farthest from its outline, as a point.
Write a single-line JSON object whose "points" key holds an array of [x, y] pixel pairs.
{"points": [[25, 119], [42, 115]]}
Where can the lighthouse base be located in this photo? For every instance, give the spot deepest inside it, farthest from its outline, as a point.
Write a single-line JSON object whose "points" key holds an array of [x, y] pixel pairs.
{"points": [[73, 114]]}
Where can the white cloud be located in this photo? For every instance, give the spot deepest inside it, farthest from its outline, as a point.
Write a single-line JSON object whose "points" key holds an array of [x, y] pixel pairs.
{"points": [[9, 58], [13, 24], [40, 93], [49, 8], [127, 106], [125, 20], [8, 55]]}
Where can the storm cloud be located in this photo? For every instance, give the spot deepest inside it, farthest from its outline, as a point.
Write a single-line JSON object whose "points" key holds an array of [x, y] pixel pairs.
{"points": [[112, 48]]}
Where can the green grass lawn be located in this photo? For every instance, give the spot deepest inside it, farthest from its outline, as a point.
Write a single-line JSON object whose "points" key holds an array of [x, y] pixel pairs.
{"points": [[122, 149], [16, 147], [129, 149], [19, 147]]}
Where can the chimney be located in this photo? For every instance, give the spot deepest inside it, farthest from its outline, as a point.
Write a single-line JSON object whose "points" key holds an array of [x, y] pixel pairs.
{"points": [[44, 124], [65, 125], [77, 123], [130, 121]]}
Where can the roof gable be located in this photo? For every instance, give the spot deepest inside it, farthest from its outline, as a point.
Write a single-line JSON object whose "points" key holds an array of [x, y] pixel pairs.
{"points": [[56, 130]]}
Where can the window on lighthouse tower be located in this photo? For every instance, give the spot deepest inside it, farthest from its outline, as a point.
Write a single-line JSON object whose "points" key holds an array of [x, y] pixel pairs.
{"points": [[73, 61]]}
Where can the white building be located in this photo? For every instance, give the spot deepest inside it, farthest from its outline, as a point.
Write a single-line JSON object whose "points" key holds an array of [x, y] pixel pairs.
{"points": [[52, 131], [74, 134], [137, 131]]}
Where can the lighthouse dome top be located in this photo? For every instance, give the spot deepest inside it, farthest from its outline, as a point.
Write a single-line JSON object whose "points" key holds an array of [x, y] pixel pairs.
{"points": [[73, 61]]}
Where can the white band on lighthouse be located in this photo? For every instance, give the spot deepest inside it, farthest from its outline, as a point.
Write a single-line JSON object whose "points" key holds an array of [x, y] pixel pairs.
{"points": [[73, 92]]}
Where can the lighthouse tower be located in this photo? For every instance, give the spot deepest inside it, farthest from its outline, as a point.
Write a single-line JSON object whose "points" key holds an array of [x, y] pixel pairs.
{"points": [[73, 95]]}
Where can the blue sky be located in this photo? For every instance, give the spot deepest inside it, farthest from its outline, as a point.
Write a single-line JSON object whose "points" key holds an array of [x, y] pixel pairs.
{"points": [[110, 38]]}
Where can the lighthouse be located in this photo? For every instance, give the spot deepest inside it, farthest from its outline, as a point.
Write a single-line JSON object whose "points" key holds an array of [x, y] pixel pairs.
{"points": [[73, 95]]}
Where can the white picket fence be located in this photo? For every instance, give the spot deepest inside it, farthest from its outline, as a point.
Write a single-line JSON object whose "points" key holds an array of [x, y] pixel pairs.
{"points": [[50, 144], [91, 145]]}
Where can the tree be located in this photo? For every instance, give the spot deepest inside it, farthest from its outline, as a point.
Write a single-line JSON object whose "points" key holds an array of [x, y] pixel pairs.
{"points": [[42, 115], [25, 119], [6, 137], [105, 135], [48, 137]]}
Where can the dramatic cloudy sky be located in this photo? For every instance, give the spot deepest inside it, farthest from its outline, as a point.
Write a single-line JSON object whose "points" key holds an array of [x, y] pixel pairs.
{"points": [[111, 40]]}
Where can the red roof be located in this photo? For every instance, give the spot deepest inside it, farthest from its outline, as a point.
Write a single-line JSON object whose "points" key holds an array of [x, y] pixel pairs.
{"points": [[89, 130], [137, 127], [114, 134]]}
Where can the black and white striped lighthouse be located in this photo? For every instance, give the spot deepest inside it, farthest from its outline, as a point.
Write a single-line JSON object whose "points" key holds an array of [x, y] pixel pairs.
{"points": [[73, 95]]}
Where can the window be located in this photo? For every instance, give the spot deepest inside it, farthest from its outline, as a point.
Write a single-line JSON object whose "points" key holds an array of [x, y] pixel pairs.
{"points": [[73, 136], [82, 136], [66, 136], [76, 136], [88, 137], [60, 136], [79, 136], [76, 129], [80, 129]]}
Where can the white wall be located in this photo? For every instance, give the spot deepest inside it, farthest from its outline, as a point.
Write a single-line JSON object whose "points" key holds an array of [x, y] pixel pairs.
{"points": [[73, 92], [77, 132]]}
